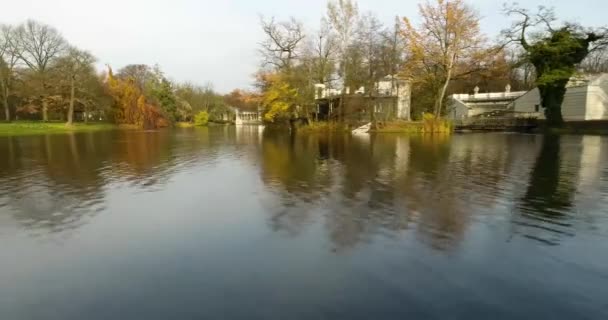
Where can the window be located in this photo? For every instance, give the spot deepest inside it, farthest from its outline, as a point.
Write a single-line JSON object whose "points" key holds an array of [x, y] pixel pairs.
{"points": [[536, 108]]}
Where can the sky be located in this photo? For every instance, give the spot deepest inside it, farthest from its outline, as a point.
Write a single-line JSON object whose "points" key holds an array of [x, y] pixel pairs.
{"points": [[216, 42]]}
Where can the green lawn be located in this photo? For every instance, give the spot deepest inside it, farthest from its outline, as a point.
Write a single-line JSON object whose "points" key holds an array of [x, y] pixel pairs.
{"points": [[20, 128]]}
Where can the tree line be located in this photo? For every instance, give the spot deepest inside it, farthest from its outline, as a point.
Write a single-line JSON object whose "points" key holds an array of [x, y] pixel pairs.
{"points": [[44, 77], [445, 52]]}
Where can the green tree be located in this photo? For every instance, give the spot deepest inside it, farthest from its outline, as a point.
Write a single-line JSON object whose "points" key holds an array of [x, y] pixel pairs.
{"points": [[163, 93], [201, 119]]}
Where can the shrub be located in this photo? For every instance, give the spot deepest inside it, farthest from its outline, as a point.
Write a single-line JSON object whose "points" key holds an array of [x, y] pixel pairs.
{"points": [[431, 124], [201, 119]]}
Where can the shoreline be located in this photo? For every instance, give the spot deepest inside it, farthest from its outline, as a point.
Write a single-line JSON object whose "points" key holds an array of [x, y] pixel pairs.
{"points": [[30, 128]]}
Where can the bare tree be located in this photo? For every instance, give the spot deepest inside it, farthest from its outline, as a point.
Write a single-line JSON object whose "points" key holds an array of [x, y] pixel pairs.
{"points": [[8, 61], [140, 74], [448, 34], [343, 16], [596, 62], [37, 45], [393, 51], [280, 48], [369, 40], [324, 49]]}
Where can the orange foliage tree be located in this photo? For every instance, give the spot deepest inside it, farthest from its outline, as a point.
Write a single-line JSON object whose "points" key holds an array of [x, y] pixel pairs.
{"points": [[131, 106], [242, 100]]}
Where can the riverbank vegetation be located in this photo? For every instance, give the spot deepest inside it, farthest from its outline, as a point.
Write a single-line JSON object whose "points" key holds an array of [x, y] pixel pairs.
{"points": [[45, 78], [439, 52], [428, 124]]}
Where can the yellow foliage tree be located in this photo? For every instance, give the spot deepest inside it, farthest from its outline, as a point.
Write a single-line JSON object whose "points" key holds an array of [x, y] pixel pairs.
{"points": [[447, 38], [278, 97]]}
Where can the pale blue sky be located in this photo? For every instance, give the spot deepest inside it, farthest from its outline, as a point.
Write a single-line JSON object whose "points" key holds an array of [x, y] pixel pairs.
{"points": [[216, 41]]}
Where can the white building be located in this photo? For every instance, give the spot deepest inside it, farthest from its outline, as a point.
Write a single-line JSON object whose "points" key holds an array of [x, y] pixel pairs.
{"points": [[388, 87], [464, 106], [586, 99]]}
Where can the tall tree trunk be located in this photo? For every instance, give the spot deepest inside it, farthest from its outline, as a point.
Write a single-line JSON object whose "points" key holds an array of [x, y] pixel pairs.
{"points": [[45, 103], [552, 97], [444, 89], [7, 111], [71, 109], [45, 110]]}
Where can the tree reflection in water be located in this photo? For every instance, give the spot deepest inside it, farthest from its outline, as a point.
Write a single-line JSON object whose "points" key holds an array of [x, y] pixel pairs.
{"points": [[435, 186], [354, 189], [55, 183]]}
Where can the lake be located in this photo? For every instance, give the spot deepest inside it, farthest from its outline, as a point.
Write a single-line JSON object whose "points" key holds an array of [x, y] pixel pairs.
{"points": [[236, 223]]}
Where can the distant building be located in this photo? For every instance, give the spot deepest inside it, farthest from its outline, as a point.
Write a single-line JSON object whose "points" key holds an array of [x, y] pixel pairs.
{"points": [[464, 106], [390, 99], [246, 117], [586, 99]]}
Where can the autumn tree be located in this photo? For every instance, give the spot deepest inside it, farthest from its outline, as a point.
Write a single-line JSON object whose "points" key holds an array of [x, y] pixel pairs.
{"points": [[278, 97], [37, 45], [555, 52], [131, 106], [448, 35], [242, 100], [285, 70]]}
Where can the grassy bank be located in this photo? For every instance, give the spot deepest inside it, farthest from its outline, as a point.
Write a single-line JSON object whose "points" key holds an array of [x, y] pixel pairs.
{"points": [[429, 124], [409, 127], [21, 128], [184, 125]]}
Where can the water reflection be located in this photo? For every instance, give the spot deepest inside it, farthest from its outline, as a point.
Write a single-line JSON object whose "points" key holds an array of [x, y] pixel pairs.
{"points": [[191, 223], [54, 182], [434, 186], [355, 189], [548, 199]]}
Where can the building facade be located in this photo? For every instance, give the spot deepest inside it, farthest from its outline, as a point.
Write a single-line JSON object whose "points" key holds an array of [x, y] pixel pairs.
{"points": [[389, 100], [586, 99], [465, 106]]}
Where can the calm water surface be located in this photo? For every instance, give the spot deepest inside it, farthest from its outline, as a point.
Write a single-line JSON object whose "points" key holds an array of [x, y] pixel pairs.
{"points": [[235, 223]]}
